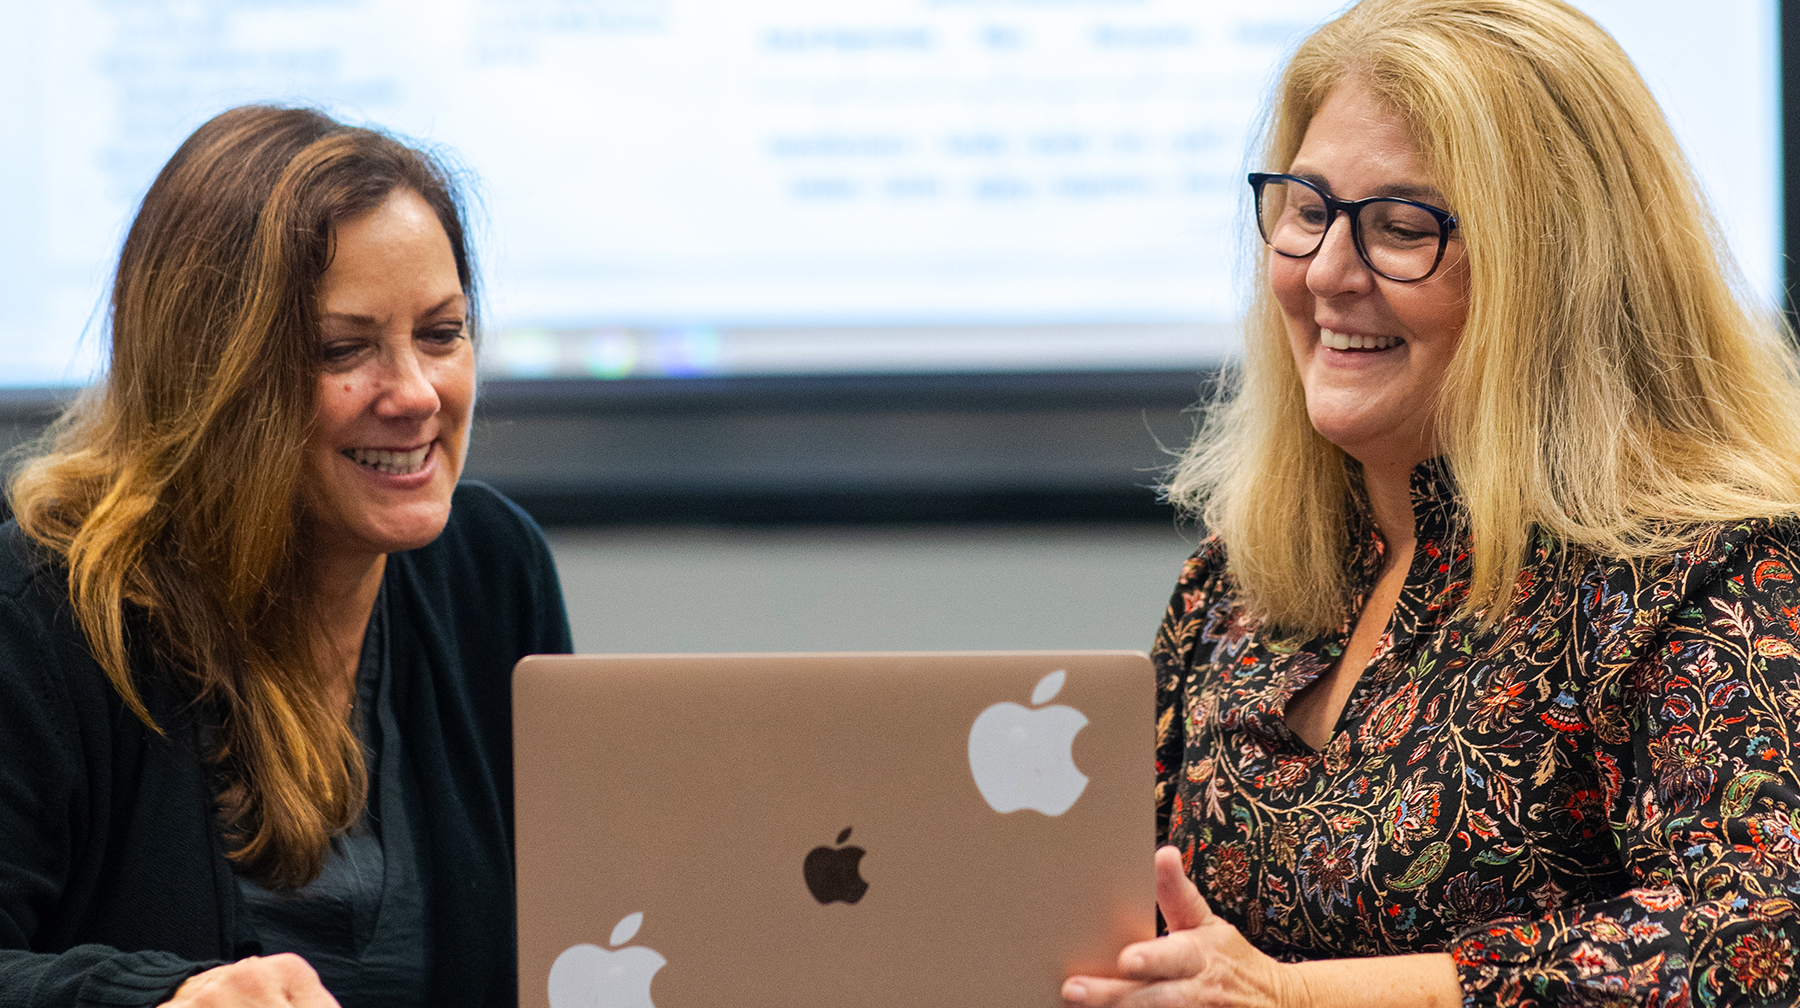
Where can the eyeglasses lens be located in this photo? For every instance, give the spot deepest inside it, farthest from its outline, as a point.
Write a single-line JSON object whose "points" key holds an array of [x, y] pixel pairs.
{"points": [[1400, 240], [1293, 217]]}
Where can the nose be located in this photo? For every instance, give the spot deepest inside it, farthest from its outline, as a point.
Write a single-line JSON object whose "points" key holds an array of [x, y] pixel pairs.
{"points": [[1337, 268], [407, 391]]}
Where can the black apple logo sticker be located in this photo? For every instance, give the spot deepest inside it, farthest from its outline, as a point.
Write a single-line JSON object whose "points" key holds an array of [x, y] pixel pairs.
{"points": [[834, 874]]}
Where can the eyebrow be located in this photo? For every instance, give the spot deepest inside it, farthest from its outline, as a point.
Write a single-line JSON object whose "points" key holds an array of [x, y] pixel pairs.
{"points": [[1400, 190], [370, 321]]}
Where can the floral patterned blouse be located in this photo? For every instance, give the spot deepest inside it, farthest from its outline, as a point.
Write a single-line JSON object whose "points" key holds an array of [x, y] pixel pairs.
{"points": [[1596, 802]]}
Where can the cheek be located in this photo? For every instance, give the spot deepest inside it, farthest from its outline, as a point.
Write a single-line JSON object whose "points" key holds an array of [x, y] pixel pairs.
{"points": [[1437, 309], [1287, 281], [339, 401], [1434, 316], [454, 382]]}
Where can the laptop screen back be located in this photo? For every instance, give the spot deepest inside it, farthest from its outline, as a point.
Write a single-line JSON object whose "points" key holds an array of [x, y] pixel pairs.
{"points": [[830, 829]]}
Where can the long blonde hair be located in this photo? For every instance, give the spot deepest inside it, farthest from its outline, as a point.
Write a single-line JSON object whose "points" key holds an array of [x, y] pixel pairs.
{"points": [[172, 490], [1610, 387]]}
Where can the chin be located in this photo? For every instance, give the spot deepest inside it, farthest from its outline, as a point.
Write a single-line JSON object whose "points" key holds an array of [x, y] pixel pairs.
{"points": [[415, 527], [1335, 430], [415, 536], [1377, 440]]}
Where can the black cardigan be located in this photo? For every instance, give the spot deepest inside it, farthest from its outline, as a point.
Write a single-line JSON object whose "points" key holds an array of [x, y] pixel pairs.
{"points": [[113, 887]]}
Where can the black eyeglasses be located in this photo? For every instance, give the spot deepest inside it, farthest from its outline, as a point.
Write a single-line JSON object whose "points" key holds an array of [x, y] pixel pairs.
{"points": [[1399, 239]]}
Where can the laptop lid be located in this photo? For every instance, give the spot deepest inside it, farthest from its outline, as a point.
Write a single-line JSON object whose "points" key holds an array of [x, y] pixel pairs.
{"points": [[877, 830]]}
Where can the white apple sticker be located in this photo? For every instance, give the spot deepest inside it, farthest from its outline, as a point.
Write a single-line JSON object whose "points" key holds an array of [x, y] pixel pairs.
{"points": [[587, 976], [1023, 758]]}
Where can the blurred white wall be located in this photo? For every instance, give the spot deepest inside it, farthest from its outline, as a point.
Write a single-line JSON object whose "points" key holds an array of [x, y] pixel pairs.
{"points": [[852, 589]]}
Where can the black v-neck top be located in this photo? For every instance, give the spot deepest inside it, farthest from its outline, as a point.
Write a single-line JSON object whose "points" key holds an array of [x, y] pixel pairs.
{"points": [[361, 923], [113, 884], [1595, 801]]}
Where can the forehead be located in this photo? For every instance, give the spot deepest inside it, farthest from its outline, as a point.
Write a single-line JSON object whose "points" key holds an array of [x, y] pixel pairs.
{"points": [[403, 224], [1360, 147], [398, 249]]}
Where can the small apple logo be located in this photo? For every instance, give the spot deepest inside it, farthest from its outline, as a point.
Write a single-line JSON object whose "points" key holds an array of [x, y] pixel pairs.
{"points": [[834, 874], [587, 976], [1025, 758]]}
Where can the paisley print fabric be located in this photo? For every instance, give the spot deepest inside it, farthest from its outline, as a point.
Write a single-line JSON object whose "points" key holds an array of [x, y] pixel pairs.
{"points": [[1594, 802]]}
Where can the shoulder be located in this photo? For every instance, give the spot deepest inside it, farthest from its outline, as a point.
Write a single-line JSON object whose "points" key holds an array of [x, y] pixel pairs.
{"points": [[1752, 537], [1753, 559], [25, 564], [1202, 610], [490, 568], [35, 614], [1204, 582], [1727, 556], [45, 665], [479, 511], [485, 532], [1619, 606]]}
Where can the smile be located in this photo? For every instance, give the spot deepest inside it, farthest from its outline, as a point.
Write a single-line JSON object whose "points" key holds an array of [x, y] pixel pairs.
{"points": [[1340, 341], [392, 463]]}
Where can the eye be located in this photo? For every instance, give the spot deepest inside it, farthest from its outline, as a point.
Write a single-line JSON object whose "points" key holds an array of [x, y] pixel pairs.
{"points": [[1403, 234], [1311, 216], [1401, 224], [339, 352], [443, 334]]}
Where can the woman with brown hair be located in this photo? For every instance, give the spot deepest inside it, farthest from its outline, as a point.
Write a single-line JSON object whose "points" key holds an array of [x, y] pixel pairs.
{"points": [[255, 641], [1482, 688]]}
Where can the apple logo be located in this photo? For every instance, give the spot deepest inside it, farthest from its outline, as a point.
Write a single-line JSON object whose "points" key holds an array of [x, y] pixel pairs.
{"points": [[1025, 758], [587, 976], [833, 874]]}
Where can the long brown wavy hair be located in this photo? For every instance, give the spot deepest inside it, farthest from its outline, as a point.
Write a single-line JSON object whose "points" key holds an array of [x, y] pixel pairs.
{"points": [[171, 490]]}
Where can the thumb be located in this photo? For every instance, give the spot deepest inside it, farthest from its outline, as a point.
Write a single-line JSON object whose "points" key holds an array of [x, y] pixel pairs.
{"points": [[1182, 905]]}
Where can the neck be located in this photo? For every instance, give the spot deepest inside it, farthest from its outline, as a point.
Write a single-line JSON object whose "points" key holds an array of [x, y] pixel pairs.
{"points": [[344, 591], [1389, 486]]}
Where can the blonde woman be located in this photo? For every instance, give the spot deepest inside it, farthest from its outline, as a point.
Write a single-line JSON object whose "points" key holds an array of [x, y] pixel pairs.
{"points": [[255, 641], [1482, 689]]}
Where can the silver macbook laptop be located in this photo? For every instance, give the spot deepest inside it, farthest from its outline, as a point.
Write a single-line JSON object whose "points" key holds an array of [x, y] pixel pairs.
{"points": [[880, 830]]}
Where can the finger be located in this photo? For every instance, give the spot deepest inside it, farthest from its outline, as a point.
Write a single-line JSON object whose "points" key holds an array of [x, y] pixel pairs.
{"points": [[1180, 900], [1175, 956], [279, 981], [1097, 992], [219, 987], [189, 990], [300, 982]]}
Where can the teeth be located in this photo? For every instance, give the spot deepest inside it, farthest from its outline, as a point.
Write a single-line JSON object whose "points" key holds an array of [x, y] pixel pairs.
{"points": [[1341, 341], [393, 463]]}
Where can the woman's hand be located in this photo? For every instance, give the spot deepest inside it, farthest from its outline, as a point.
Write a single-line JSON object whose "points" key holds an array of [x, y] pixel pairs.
{"points": [[1202, 961], [277, 981]]}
